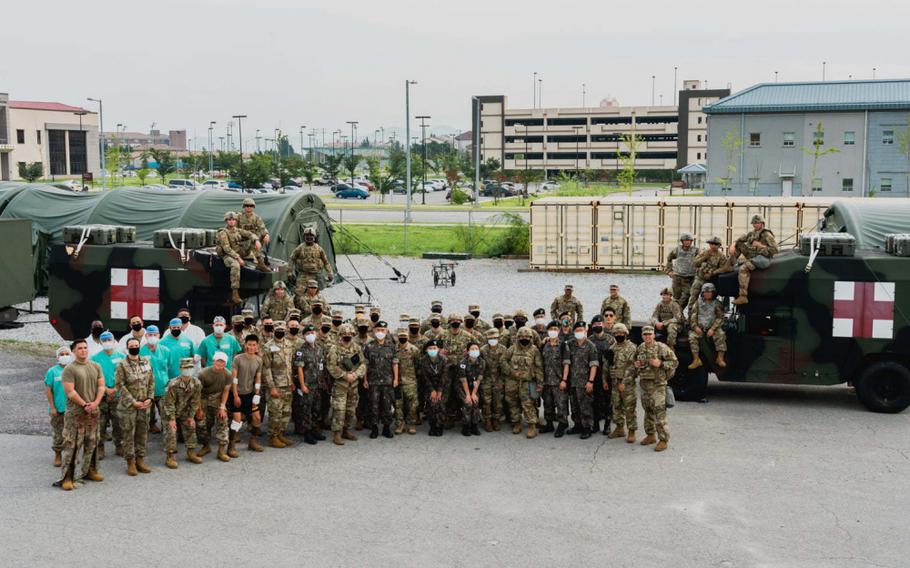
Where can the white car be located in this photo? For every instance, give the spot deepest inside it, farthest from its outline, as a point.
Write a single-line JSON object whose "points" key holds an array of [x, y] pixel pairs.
{"points": [[439, 184], [214, 184], [182, 184], [548, 185]]}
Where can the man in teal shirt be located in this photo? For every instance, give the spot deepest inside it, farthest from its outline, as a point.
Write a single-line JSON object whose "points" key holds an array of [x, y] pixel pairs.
{"points": [[164, 368], [56, 399], [179, 345], [107, 359], [218, 341]]}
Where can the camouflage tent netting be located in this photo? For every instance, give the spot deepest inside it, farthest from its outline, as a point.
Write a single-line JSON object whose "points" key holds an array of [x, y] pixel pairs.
{"points": [[51, 209], [869, 220]]}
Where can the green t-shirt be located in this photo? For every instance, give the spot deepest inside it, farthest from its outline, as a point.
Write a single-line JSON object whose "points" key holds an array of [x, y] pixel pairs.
{"points": [[84, 377], [211, 345], [108, 363], [162, 367], [53, 380], [181, 346], [247, 369]]}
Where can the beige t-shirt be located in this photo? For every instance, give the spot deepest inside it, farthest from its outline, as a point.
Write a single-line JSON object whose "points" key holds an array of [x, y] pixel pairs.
{"points": [[84, 377], [247, 369]]}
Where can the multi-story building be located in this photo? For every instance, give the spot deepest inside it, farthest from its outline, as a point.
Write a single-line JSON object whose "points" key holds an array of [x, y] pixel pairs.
{"points": [[173, 140], [63, 138], [834, 138], [667, 137]]}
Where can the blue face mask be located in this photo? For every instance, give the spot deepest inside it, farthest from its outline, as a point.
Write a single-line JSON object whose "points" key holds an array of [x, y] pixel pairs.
{"points": [[432, 353]]}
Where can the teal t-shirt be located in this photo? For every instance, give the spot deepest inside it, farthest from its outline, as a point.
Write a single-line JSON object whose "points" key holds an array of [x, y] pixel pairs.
{"points": [[108, 363], [211, 344], [53, 380], [162, 367], [181, 347]]}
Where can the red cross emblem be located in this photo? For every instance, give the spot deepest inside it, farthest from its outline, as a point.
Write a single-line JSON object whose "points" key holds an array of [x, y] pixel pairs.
{"points": [[863, 309], [134, 291]]}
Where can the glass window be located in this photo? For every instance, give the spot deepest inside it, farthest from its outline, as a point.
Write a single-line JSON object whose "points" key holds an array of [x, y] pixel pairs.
{"points": [[755, 139], [699, 120], [20, 136], [847, 184], [886, 184], [849, 138], [698, 138], [698, 156], [789, 139], [78, 157], [816, 184], [38, 135], [56, 142], [887, 137]]}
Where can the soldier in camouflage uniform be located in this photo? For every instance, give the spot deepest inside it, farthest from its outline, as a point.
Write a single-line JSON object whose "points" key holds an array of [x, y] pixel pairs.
{"points": [[309, 366], [308, 296], [413, 328], [266, 329], [656, 363], [470, 327], [381, 379], [83, 382], [708, 264], [470, 374], [433, 369], [498, 323], [278, 303], [681, 268], [435, 329], [250, 221], [567, 303], [346, 367], [757, 246], [277, 367], [491, 389], [178, 407], [622, 381], [523, 367], [706, 318], [435, 310], [555, 399], [604, 343], [237, 329], [234, 246], [667, 316], [406, 395], [584, 361], [455, 339], [619, 304], [136, 390], [309, 260], [363, 326], [479, 324], [215, 383]]}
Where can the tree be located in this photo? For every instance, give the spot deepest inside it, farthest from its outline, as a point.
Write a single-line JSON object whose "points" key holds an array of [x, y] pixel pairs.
{"points": [[285, 150], [489, 167], [332, 165], [732, 145], [112, 158], [626, 176], [31, 172], [351, 161], [382, 181], [166, 164], [818, 151], [226, 161], [903, 144], [308, 170], [397, 161], [256, 171], [143, 170]]}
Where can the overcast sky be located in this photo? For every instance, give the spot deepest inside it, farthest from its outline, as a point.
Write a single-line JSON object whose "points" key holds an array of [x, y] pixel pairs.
{"points": [[287, 63]]}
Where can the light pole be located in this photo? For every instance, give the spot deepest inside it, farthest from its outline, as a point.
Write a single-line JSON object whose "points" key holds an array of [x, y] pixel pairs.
{"points": [[80, 114], [353, 124], [540, 93], [334, 132], [775, 76], [534, 90], [583, 93], [222, 142], [407, 155], [653, 81], [477, 150], [211, 144], [674, 85], [278, 153], [101, 135], [423, 130], [240, 118], [302, 126]]}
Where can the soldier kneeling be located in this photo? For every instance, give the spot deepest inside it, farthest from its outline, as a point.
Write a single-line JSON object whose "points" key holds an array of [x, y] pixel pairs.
{"points": [[707, 318]]}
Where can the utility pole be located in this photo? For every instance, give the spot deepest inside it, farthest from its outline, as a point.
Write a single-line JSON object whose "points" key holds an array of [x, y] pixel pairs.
{"points": [[583, 93], [222, 142], [301, 139], [258, 138], [477, 151], [353, 124], [653, 81], [423, 130], [101, 139], [534, 90], [407, 156], [675, 89], [824, 63], [278, 152], [240, 118], [540, 93]]}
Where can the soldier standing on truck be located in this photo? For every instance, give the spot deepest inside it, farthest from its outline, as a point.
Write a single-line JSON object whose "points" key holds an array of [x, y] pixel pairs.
{"points": [[758, 246], [309, 259], [681, 268]]}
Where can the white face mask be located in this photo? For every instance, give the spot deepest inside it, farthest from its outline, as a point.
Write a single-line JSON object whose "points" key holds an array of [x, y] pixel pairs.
{"points": [[186, 372], [540, 321], [152, 340], [310, 338], [474, 354], [109, 346], [380, 335], [65, 359], [580, 335], [552, 334], [219, 329], [493, 342]]}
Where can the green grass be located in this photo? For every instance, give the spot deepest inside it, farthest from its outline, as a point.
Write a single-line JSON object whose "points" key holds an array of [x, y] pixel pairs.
{"points": [[570, 189], [34, 348], [389, 239]]}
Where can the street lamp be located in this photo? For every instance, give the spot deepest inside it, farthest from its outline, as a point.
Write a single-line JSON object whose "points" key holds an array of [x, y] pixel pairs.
{"points": [[240, 118], [576, 128], [353, 124], [302, 126], [222, 142], [423, 130], [476, 129], [334, 145], [407, 138], [101, 135], [211, 144], [80, 114]]}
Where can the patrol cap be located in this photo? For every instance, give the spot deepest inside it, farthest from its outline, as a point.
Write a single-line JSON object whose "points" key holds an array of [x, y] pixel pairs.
{"points": [[685, 237], [218, 319], [326, 319], [621, 329], [318, 303], [105, 335], [455, 317], [152, 329], [508, 317], [436, 303], [435, 317], [246, 312], [525, 332], [474, 307], [666, 292], [229, 215], [413, 321], [280, 284], [757, 219], [647, 330], [346, 329], [714, 240], [381, 323], [497, 316], [249, 202], [359, 309], [537, 312], [174, 321], [237, 319], [469, 316], [337, 314], [492, 333], [220, 356], [404, 317], [294, 313], [580, 325], [312, 283], [375, 310], [280, 324], [523, 314], [187, 363], [614, 286], [401, 332], [569, 287]]}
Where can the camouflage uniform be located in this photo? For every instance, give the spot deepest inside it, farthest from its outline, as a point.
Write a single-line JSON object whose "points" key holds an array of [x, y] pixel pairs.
{"points": [[341, 360], [745, 248], [491, 389], [625, 403], [681, 262], [407, 385], [234, 245], [305, 301], [707, 316], [480, 325], [253, 223], [180, 403], [212, 385], [581, 358], [620, 307], [522, 365], [305, 410], [603, 410], [555, 401], [277, 357], [134, 383], [670, 316], [653, 383], [708, 264], [455, 345], [572, 305], [435, 373], [364, 406], [309, 260], [381, 359], [275, 307], [471, 371], [80, 428]]}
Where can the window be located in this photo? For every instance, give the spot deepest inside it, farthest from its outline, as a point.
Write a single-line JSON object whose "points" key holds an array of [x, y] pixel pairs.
{"points": [[847, 184], [567, 122], [56, 147], [699, 119], [755, 139], [20, 136], [725, 184], [698, 138], [849, 138], [816, 184], [887, 137], [886, 184], [38, 136], [78, 157], [698, 156], [789, 139]]}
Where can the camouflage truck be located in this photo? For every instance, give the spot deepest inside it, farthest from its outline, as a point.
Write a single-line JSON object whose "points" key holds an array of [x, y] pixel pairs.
{"points": [[109, 278], [840, 316]]}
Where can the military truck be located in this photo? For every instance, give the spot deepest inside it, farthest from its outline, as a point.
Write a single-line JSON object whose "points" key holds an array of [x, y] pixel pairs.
{"points": [[100, 272], [836, 316], [18, 285]]}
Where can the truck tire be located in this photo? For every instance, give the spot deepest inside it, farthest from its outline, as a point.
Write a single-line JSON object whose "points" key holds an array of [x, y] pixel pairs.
{"points": [[689, 385], [885, 387]]}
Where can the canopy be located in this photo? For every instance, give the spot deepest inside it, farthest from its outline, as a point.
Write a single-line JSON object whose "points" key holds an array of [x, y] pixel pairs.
{"points": [[693, 169], [869, 220]]}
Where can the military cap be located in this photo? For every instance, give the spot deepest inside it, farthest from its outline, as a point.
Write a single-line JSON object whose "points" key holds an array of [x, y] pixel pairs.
{"points": [[317, 303], [309, 231], [436, 303], [553, 323], [580, 325], [337, 313], [402, 332], [474, 307], [281, 324], [229, 215], [404, 317], [237, 319], [521, 314], [326, 319], [621, 329], [492, 333], [666, 292], [757, 219], [381, 323], [361, 319], [647, 330], [455, 317], [152, 329], [436, 317], [249, 201], [508, 317], [597, 319], [537, 312], [525, 332], [685, 237], [309, 327], [468, 316], [375, 310], [187, 363], [218, 319], [569, 287], [413, 320], [293, 312], [497, 316], [359, 309], [280, 284], [346, 329], [714, 241], [246, 312], [614, 286], [312, 283], [433, 343], [220, 356]]}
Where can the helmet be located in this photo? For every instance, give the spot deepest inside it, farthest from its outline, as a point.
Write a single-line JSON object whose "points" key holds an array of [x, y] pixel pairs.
{"points": [[280, 284], [685, 237], [757, 219], [229, 215], [708, 287], [666, 291], [714, 240], [249, 201], [620, 329], [309, 231], [347, 329], [525, 332]]}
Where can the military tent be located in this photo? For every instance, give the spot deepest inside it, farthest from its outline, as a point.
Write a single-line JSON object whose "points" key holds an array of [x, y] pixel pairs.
{"points": [[869, 220]]}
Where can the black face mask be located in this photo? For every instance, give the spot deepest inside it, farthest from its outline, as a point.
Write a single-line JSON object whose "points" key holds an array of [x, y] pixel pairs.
{"points": [[346, 339], [415, 329], [497, 324], [402, 340], [336, 323], [279, 335], [185, 319], [317, 310], [133, 351], [135, 326], [598, 328], [238, 327], [326, 328], [96, 331], [309, 240], [363, 328], [293, 330], [455, 324], [374, 318], [176, 332], [476, 314], [436, 309], [508, 324], [269, 328], [469, 324], [620, 338], [434, 324], [248, 321], [520, 322], [524, 342]]}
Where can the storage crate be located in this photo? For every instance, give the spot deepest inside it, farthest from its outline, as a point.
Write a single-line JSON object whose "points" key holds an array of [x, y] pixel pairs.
{"points": [[125, 233], [898, 244], [93, 234], [829, 244], [210, 235], [179, 238]]}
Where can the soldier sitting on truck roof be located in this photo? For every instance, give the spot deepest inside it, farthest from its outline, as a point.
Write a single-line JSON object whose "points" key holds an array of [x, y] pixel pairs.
{"points": [[757, 246], [667, 316], [235, 246], [706, 318]]}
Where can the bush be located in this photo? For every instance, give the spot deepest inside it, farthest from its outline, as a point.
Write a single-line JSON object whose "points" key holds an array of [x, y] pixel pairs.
{"points": [[31, 172], [459, 197], [516, 239]]}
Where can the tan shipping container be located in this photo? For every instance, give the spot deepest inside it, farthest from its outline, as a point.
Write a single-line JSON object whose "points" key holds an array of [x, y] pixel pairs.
{"points": [[583, 233]]}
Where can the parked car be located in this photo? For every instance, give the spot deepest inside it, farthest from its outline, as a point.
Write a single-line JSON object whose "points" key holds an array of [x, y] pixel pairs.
{"points": [[493, 190], [233, 185], [352, 192], [156, 186], [214, 184], [548, 185], [399, 188], [182, 184], [340, 186], [288, 188], [439, 184]]}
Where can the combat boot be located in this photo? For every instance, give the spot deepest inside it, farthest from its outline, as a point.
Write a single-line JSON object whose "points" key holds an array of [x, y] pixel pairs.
{"points": [[496, 425], [58, 458], [532, 431], [66, 484], [118, 450], [648, 440], [204, 450], [131, 467], [575, 429], [93, 475], [661, 446], [276, 442], [192, 457], [630, 439], [262, 266], [475, 430], [171, 461], [253, 444], [308, 438], [358, 425], [516, 428], [488, 425], [141, 466], [235, 297], [399, 428], [465, 430], [374, 432], [560, 430], [221, 455], [585, 433], [100, 453], [743, 298], [348, 435], [318, 435], [232, 449], [337, 439], [387, 431], [287, 441], [721, 362], [546, 429], [618, 432], [696, 362], [412, 429]]}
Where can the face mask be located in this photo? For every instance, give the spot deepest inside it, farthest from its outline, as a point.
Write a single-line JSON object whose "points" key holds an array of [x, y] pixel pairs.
{"points": [[238, 327], [380, 335], [508, 324], [520, 322], [493, 342], [109, 345], [580, 335], [455, 324], [218, 329], [475, 314], [434, 324], [363, 328], [96, 331], [540, 321], [473, 353], [310, 338], [133, 351], [346, 339], [497, 324], [176, 332], [598, 328], [187, 372], [469, 324], [402, 340], [248, 321], [185, 319], [620, 338], [65, 359], [415, 329], [153, 340], [432, 353], [336, 323], [135, 326], [293, 330], [326, 328], [374, 318], [279, 334], [269, 328], [552, 334], [317, 310], [524, 342], [436, 309], [565, 323]]}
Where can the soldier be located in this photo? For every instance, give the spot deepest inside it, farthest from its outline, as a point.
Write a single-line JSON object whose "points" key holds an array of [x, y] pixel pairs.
{"points": [[56, 400], [218, 340], [708, 264], [508, 320], [707, 319], [435, 330], [565, 327], [83, 383], [555, 395], [94, 338], [567, 303], [294, 329], [413, 328], [308, 296], [164, 368], [309, 259], [362, 325], [293, 315], [470, 327], [235, 246], [337, 322], [681, 268], [135, 390], [497, 322], [237, 328], [656, 363], [346, 367], [249, 322], [309, 365], [246, 393], [432, 368], [107, 359], [482, 326], [375, 316], [471, 371], [266, 330], [277, 357], [381, 379], [250, 221], [540, 326], [435, 309], [317, 313], [619, 304], [757, 246], [604, 343], [491, 389], [180, 406], [193, 332], [215, 385], [523, 367], [609, 319], [582, 362], [407, 394], [278, 303], [455, 340], [622, 380], [667, 316]]}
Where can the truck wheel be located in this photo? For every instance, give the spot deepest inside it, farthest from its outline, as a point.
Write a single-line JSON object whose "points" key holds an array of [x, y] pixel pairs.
{"points": [[689, 385], [885, 387]]}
